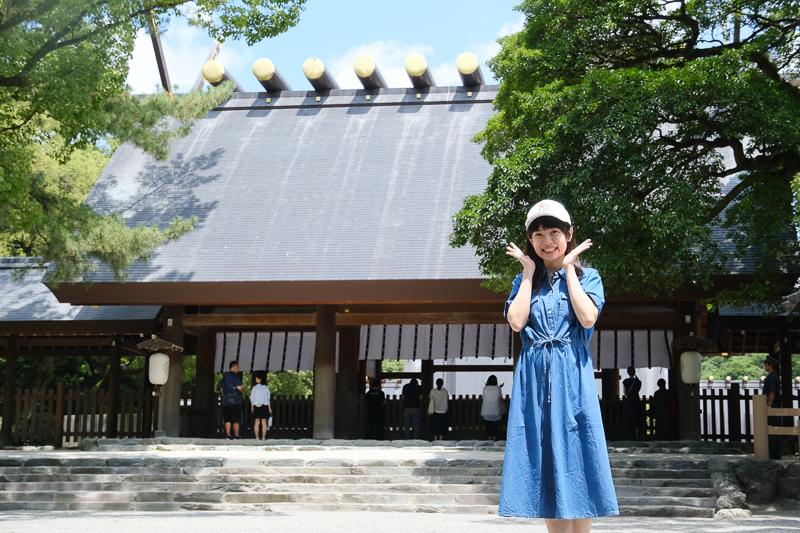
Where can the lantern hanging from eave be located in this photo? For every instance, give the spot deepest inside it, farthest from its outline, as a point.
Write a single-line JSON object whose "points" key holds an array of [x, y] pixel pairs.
{"points": [[159, 368], [690, 367]]}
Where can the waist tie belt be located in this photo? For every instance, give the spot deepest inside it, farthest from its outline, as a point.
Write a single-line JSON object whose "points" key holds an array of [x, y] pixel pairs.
{"points": [[547, 367]]}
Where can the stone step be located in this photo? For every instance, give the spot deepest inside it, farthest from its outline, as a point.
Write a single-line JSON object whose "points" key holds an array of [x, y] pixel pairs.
{"points": [[702, 503], [674, 511], [252, 497], [410, 488], [351, 479], [275, 470], [625, 510], [660, 473], [656, 482], [683, 492]]}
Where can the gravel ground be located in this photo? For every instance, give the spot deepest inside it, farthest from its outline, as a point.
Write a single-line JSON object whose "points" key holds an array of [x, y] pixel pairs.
{"points": [[346, 522]]}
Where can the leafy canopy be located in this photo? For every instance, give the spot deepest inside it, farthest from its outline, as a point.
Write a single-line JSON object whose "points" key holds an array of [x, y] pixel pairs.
{"points": [[63, 93], [660, 125]]}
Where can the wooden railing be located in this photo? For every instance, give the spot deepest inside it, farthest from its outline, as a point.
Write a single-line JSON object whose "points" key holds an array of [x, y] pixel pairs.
{"points": [[727, 412], [763, 430], [63, 417]]}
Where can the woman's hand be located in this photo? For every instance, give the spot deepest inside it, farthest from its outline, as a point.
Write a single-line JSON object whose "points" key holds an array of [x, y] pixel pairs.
{"points": [[572, 257], [527, 263]]}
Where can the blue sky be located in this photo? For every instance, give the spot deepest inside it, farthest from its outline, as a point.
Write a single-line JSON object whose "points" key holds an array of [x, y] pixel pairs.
{"points": [[338, 32]]}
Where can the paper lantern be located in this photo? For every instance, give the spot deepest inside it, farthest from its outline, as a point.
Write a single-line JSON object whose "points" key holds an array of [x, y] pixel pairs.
{"points": [[159, 368], [690, 367]]}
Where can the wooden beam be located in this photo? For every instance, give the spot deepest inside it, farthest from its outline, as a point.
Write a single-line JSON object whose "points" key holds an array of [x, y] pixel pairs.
{"points": [[60, 352], [248, 320], [473, 368], [402, 319], [78, 327], [63, 342]]}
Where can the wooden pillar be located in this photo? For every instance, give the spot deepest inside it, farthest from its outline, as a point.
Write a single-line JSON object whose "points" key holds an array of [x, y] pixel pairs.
{"points": [[609, 384], [113, 386], [427, 377], [170, 405], [347, 426], [734, 413], [61, 394], [785, 359], [689, 409], [9, 388], [204, 395], [325, 373]]}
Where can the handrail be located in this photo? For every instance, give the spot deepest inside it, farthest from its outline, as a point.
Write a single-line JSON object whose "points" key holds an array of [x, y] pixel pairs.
{"points": [[762, 430]]}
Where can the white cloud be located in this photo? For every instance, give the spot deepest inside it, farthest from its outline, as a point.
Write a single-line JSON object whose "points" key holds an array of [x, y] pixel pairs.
{"points": [[512, 27], [488, 50], [389, 56], [446, 74], [185, 49]]}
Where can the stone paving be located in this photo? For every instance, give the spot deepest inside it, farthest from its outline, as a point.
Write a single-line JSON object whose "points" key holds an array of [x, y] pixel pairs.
{"points": [[245, 453]]}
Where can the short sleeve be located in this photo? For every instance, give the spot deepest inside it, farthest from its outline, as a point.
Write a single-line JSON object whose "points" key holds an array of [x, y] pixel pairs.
{"points": [[514, 291], [593, 286]]}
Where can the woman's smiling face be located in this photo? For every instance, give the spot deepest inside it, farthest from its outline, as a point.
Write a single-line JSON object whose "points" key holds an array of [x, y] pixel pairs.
{"points": [[550, 244]]}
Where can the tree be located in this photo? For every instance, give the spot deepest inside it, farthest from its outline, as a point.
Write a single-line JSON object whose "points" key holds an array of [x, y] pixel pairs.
{"points": [[62, 90], [619, 109], [740, 366]]}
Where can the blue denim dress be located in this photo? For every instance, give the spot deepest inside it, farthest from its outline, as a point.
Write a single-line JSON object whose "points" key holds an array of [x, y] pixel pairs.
{"points": [[556, 462]]}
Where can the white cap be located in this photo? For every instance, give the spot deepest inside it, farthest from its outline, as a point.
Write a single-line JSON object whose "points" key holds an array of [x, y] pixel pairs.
{"points": [[548, 208]]}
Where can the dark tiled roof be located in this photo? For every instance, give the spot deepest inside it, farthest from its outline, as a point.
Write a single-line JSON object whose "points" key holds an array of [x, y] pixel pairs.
{"points": [[342, 189], [296, 189], [30, 300]]}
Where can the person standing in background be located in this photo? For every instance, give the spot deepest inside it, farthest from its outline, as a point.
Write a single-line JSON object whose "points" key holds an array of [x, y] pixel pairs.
{"points": [[632, 406], [231, 389], [259, 405], [376, 399], [412, 396], [661, 410], [438, 412], [491, 410]]}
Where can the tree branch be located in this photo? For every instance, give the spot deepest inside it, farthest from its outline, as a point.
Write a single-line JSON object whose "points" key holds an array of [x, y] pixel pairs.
{"points": [[55, 43], [728, 198]]}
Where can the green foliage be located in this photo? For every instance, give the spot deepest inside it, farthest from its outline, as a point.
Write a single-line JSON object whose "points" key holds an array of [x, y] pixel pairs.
{"points": [[62, 91], [618, 110], [737, 367], [291, 383], [393, 366]]}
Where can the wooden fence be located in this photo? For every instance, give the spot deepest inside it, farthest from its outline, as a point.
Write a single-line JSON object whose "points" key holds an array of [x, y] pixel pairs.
{"points": [[64, 417], [727, 411]]}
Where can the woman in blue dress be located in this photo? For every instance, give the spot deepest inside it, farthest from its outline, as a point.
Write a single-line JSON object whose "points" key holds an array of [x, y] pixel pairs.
{"points": [[556, 463]]}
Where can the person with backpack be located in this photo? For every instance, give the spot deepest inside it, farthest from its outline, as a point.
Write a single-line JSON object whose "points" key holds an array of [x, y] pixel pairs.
{"points": [[231, 389]]}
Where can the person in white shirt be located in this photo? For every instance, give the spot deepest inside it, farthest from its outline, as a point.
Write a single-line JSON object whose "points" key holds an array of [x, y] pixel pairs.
{"points": [[493, 407], [259, 404], [438, 410]]}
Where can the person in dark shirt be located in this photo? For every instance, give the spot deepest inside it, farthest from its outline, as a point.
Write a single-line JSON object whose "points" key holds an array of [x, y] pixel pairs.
{"points": [[231, 389], [375, 399], [772, 390], [632, 405], [661, 409], [412, 395]]}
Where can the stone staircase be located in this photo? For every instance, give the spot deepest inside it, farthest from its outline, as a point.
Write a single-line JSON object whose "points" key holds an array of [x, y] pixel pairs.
{"points": [[646, 486], [659, 486]]}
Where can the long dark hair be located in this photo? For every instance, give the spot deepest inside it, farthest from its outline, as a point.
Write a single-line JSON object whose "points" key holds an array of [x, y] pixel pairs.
{"points": [[548, 223], [439, 383]]}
